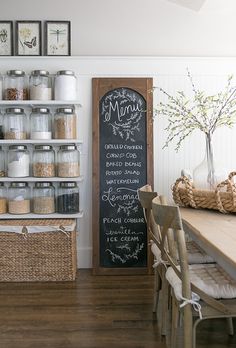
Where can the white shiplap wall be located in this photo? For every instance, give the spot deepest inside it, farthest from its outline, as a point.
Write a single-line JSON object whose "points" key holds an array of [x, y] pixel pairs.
{"points": [[209, 74]]}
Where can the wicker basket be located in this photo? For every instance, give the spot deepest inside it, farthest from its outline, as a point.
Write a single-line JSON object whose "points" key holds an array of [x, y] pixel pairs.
{"points": [[37, 250], [222, 199]]}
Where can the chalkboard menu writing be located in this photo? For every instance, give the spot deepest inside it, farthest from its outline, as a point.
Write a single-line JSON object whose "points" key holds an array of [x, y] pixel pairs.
{"points": [[122, 166]]}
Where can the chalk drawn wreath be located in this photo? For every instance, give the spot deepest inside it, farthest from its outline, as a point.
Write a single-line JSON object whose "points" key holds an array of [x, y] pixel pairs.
{"points": [[123, 109]]}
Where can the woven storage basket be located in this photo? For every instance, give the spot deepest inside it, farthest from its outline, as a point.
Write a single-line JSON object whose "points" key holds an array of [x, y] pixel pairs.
{"points": [[28, 254], [222, 199]]}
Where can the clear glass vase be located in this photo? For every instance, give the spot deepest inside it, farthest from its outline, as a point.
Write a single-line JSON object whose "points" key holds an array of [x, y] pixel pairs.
{"points": [[209, 173]]}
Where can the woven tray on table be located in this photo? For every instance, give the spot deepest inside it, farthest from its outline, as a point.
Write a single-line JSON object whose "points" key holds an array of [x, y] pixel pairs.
{"points": [[37, 250], [223, 198]]}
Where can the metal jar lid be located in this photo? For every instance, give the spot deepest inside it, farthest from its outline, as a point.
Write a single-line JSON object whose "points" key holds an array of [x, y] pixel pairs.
{"points": [[19, 184], [40, 73], [17, 147], [14, 111], [65, 110], [67, 147], [43, 184], [43, 147], [15, 73], [66, 72], [40, 110], [68, 184]]}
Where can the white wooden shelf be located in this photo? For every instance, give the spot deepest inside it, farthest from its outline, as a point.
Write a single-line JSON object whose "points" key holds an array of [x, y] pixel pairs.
{"points": [[42, 216], [34, 179], [32, 141], [39, 102]]}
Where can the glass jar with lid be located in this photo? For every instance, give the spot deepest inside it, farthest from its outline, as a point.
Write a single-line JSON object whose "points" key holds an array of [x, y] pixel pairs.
{"points": [[18, 161], [19, 198], [43, 161], [3, 198], [65, 124], [43, 198], [68, 198], [40, 124], [2, 163], [68, 161], [15, 124], [40, 85], [65, 85], [15, 85]]}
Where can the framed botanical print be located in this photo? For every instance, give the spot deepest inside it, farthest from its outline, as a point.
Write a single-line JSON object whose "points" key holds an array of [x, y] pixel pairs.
{"points": [[57, 38], [28, 38], [6, 38]]}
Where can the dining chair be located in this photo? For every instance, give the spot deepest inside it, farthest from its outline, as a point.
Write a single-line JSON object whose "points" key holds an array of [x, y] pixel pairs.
{"points": [[195, 253], [200, 291]]}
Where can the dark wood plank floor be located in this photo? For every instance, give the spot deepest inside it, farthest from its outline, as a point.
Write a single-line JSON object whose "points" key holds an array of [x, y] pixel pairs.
{"points": [[93, 312]]}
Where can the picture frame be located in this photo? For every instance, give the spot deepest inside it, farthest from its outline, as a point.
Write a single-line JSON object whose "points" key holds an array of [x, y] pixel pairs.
{"points": [[28, 38], [6, 38], [57, 38]]}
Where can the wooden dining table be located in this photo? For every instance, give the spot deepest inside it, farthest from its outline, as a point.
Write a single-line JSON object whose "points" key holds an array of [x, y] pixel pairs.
{"points": [[215, 233]]}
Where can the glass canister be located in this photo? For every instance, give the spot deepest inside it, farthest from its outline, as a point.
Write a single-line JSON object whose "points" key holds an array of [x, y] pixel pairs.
{"points": [[40, 124], [15, 124], [18, 161], [43, 161], [65, 85], [43, 198], [40, 85], [19, 198], [65, 124], [68, 161], [15, 85], [2, 163], [68, 198], [3, 198]]}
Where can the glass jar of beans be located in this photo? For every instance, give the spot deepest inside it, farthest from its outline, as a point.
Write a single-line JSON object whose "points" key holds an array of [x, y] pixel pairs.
{"points": [[15, 85], [68, 198], [3, 198]]}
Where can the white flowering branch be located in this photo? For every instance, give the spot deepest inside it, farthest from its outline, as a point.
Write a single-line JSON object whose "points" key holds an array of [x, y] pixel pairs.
{"points": [[203, 112]]}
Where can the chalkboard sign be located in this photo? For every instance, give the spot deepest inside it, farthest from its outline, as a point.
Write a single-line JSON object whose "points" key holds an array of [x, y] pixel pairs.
{"points": [[121, 153]]}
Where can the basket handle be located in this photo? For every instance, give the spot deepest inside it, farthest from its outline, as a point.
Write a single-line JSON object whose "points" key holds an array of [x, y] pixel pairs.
{"points": [[231, 188], [189, 189]]}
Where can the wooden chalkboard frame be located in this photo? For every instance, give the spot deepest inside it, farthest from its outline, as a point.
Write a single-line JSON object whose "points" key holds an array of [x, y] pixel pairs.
{"points": [[101, 86]]}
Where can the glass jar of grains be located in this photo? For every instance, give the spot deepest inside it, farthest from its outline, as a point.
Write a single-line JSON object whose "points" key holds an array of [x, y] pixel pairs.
{"points": [[43, 198], [15, 85], [18, 161], [68, 198], [65, 124], [65, 85], [40, 85], [40, 124], [68, 161], [19, 198], [43, 161], [3, 198], [15, 124]]}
